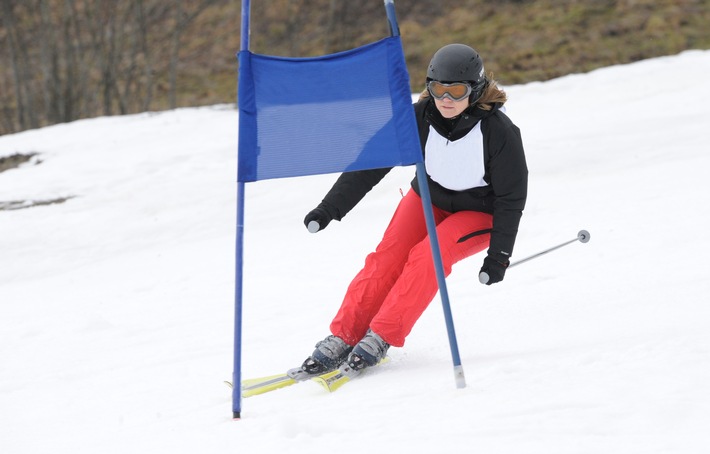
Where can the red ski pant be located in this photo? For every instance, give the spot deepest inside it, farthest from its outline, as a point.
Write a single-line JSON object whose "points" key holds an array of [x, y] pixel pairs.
{"points": [[398, 280]]}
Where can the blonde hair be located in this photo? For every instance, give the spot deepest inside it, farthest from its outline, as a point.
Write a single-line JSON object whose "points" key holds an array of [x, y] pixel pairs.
{"points": [[492, 94]]}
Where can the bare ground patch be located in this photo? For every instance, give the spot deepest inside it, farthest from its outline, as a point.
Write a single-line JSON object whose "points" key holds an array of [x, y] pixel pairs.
{"points": [[14, 161], [22, 204]]}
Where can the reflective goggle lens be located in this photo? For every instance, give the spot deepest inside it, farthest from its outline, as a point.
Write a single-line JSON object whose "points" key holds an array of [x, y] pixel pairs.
{"points": [[456, 91]]}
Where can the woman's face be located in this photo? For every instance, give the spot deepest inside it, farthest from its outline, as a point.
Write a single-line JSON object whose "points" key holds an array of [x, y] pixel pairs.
{"points": [[448, 108]]}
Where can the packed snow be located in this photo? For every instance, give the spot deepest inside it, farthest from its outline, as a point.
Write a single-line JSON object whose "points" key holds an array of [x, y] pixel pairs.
{"points": [[116, 306]]}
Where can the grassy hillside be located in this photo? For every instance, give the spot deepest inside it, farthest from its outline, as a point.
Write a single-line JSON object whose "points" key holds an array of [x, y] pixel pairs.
{"points": [[520, 40], [536, 40]]}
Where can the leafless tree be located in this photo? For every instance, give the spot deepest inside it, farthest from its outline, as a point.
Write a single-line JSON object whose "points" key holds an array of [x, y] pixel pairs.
{"points": [[69, 59]]}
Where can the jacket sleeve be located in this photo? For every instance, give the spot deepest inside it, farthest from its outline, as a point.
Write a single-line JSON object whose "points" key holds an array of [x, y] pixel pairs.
{"points": [[509, 181], [349, 189]]}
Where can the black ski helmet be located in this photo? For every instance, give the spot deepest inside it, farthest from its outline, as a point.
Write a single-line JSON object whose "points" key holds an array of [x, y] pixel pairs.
{"points": [[456, 63]]}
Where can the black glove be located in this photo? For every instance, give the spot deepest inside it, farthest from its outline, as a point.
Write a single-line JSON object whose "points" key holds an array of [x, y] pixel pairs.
{"points": [[320, 217], [493, 269]]}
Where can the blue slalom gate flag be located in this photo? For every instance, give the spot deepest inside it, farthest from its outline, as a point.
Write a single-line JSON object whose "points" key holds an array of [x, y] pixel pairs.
{"points": [[342, 112], [335, 113]]}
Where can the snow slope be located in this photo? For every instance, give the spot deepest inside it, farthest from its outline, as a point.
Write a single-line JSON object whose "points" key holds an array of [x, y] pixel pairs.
{"points": [[116, 307]]}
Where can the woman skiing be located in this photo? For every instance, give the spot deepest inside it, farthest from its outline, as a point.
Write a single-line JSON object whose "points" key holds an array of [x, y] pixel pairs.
{"points": [[477, 177]]}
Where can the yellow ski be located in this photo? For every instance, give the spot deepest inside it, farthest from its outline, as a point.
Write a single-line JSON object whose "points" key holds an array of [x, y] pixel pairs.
{"points": [[261, 385], [332, 381]]}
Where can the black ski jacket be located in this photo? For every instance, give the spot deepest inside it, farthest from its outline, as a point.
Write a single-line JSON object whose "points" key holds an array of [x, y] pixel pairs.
{"points": [[505, 172]]}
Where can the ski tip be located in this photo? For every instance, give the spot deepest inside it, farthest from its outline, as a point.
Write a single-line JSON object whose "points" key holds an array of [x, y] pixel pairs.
{"points": [[229, 383]]}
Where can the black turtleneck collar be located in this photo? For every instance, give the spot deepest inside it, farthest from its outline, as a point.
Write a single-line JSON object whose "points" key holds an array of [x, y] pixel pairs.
{"points": [[457, 127]]}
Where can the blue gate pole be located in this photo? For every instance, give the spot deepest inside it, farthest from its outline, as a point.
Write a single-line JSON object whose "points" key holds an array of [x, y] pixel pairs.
{"points": [[237, 371], [433, 238]]}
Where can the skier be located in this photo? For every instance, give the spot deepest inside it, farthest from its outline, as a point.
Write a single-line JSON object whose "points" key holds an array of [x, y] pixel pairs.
{"points": [[477, 178]]}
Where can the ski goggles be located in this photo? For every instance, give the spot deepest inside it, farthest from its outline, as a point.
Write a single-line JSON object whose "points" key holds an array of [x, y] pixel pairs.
{"points": [[456, 91]]}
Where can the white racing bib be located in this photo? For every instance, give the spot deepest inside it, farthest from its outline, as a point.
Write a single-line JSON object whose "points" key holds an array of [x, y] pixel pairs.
{"points": [[457, 165]]}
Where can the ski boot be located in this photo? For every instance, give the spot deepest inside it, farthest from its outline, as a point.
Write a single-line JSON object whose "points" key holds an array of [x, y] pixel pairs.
{"points": [[368, 352], [329, 354]]}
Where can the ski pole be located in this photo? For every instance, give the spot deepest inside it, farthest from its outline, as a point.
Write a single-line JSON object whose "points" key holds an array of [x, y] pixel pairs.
{"points": [[583, 237]]}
